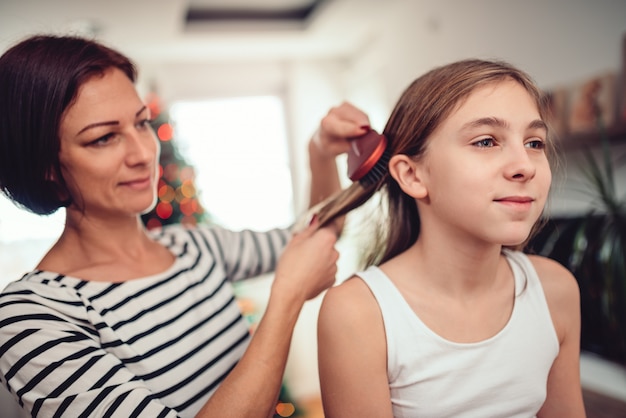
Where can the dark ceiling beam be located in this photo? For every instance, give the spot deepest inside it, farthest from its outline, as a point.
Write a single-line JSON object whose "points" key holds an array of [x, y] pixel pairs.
{"points": [[212, 14]]}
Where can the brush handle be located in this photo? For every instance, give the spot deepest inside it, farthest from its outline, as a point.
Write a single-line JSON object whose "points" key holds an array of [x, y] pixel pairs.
{"points": [[364, 153]]}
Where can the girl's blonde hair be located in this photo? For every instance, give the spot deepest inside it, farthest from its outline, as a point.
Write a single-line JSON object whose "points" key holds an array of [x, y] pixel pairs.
{"points": [[423, 106]]}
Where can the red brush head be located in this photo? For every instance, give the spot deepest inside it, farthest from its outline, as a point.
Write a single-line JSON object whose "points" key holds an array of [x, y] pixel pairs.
{"points": [[364, 153]]}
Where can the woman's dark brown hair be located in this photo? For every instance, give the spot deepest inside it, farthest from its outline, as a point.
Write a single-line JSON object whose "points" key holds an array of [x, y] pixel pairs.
{"points": [[39, 79], [423, 106]]}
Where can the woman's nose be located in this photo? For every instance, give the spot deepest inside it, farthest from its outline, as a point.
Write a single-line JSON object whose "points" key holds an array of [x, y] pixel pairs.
{"points": [[140, 147]]}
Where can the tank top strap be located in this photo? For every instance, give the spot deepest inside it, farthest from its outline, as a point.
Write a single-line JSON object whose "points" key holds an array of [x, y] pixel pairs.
{"points": [[381, 286]]}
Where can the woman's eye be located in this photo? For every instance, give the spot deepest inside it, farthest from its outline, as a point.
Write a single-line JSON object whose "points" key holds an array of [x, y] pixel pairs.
{"points": [[485, 143], [103, 140], [144, 123]]}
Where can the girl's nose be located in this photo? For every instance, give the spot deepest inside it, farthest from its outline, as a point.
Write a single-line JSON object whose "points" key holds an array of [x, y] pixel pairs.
{"points": [[519, 166]]}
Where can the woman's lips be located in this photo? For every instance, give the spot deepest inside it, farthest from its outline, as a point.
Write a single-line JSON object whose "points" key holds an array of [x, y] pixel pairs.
{"points": [[138, 184]]}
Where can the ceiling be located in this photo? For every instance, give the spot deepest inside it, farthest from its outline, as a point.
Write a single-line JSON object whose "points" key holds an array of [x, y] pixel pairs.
{"points": [[201, 29]]}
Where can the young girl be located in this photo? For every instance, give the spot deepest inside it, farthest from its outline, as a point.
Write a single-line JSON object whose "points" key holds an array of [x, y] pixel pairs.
{"points": [[451, 319]]}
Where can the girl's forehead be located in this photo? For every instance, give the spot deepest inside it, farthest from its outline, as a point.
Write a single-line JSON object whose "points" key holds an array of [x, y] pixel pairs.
{"points": [[506, 101], [497, 96]]}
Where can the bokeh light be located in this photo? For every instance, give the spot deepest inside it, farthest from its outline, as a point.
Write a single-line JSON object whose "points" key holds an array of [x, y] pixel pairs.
{"points": [[153, 223], [165, 132], [285, 409], [164, 210], [166, 193]]}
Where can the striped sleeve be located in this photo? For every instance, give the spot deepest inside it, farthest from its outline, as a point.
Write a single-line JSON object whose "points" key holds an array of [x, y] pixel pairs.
{"points": [[52, 361], [246, 253]]}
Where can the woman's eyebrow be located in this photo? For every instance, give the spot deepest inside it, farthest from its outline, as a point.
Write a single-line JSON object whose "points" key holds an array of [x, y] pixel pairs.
{"points": [[110, 122], [97, 124]]}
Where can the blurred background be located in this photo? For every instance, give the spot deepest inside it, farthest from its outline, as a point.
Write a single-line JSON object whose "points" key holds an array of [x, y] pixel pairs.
{"points": [[239, 86]]}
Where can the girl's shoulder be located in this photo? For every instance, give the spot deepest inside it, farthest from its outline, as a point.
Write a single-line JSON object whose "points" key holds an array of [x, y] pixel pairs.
{"points": [[553, 275], [350, 321], [561, 291], [350, 301]]}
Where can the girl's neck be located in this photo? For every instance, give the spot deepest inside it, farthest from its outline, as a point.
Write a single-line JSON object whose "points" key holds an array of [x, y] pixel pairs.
{"points": [[453, 268]]}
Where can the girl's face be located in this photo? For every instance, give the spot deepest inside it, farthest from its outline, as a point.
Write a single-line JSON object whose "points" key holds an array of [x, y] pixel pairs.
{"points": [[109, 154], [485, 168]]}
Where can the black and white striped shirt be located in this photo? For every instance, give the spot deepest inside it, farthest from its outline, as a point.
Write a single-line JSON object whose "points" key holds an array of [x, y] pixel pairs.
{"points": [[151, 347]]}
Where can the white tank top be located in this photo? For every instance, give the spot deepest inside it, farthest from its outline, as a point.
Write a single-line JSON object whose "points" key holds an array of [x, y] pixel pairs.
{"points": [[502, 376]]}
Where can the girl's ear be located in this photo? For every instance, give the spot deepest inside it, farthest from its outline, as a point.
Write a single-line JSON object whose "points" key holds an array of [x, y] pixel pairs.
{"points": [[406, 173]]}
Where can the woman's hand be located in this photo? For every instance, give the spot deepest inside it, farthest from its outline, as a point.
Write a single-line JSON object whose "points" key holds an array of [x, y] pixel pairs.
{"points": [[342, 123], [308, 264]]}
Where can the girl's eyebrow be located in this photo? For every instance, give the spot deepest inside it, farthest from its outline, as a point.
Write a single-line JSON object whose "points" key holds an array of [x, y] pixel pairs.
{"points": [[109, 123], [538, 124], [488, 121], [500, 123]]}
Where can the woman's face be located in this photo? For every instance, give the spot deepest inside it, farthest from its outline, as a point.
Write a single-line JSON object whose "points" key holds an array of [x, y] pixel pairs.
{"points": [[485, 166], [109, 153]]}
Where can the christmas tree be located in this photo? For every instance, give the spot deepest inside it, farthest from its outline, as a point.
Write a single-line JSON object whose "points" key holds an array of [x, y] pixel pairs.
{"points": [[178, 201]]}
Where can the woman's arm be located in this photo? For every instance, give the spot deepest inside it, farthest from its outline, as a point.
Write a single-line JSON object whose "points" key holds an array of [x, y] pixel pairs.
{"points": [[564, 397], [352, 354], [306, 268]]}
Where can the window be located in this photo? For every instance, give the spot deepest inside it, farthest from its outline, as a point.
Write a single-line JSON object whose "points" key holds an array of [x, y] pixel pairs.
{"points": [[24, 239], [238, 147]]}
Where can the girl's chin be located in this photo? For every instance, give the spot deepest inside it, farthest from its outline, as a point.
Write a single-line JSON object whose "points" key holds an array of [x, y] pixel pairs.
{"points": [[515, 241]]}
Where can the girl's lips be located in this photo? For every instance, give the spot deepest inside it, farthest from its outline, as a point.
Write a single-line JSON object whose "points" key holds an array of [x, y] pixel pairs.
{"points": [[515, 199], [516, 202]]}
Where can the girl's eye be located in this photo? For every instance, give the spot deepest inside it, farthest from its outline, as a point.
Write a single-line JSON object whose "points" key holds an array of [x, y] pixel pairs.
{"points": [[536, 144], [485, 143]]}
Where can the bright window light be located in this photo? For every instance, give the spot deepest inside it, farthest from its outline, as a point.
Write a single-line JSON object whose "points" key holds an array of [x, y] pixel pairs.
{"points": [[24, 239], [238, 147], [18, 224]]}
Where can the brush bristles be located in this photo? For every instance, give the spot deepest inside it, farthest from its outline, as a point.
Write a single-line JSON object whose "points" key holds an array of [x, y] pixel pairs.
{"points": [[346, 200], [377, 172]]}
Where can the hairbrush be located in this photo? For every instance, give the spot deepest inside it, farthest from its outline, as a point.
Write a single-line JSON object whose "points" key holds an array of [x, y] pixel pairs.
{"points": [[367, 159]]}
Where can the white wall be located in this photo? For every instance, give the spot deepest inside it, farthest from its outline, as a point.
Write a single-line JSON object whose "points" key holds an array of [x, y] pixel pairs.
{"points": [[556, 41]]}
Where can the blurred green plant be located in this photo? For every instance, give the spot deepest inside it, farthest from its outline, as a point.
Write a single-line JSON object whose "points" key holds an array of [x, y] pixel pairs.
{"points": [[598, 254]]}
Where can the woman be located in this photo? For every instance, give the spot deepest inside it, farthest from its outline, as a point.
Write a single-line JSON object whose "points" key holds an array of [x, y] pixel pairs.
{"points": [[451, 319], [116, 320]]}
